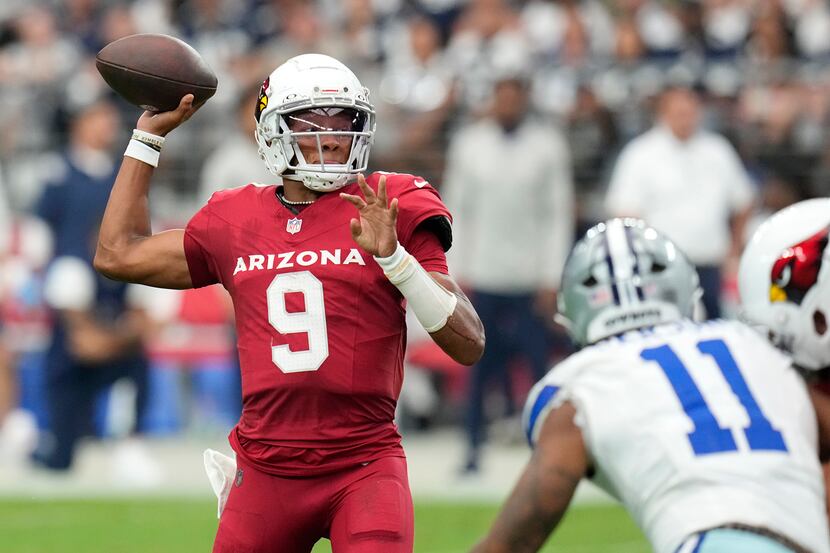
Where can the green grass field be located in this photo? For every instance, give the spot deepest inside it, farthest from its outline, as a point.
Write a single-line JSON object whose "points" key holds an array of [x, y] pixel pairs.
{"points": [[188, 526]]}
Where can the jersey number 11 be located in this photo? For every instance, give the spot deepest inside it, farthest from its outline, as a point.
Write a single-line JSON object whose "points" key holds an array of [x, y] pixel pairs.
{"points": [[708, 435]]}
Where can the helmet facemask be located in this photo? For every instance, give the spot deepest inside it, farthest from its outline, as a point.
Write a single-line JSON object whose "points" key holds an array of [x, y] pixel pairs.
{"points": [[281, 132], [337, 104]]}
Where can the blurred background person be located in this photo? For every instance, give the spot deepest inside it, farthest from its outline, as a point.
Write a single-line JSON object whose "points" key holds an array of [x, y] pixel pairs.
{"points": [[487, 40], [416, 93], [97, 338], [25, 330], [508, 182], [235, 161], [8, 384], [688, 183]]}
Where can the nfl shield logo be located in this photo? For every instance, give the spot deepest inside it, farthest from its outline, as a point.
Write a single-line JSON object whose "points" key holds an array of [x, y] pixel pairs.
{"points": [[293, 225]]}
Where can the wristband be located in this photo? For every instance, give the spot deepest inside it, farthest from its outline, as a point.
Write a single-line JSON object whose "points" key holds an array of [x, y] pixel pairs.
{"points": [[142, 152], [152, 140], [431, 303], [394, 265]]}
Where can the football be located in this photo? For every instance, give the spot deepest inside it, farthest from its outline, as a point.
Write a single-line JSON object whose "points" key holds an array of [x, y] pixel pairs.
{"points": [[154, 71]]}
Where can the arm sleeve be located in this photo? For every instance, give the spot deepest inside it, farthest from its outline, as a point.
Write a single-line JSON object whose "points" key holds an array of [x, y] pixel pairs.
{"points": [[198, 250]]}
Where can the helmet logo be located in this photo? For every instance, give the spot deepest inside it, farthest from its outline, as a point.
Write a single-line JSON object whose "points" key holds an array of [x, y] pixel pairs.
{"points": [[262, 101], [796, 270]]}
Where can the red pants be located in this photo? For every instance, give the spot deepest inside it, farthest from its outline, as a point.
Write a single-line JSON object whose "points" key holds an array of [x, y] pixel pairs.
{"points": [[367, 509]]}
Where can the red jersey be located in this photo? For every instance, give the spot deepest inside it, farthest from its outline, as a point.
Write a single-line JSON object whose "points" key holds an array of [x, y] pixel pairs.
{"points": [[321, 331]]}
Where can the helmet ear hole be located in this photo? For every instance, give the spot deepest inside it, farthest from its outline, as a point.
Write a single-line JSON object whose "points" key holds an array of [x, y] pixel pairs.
{"points": [[819, 322]]}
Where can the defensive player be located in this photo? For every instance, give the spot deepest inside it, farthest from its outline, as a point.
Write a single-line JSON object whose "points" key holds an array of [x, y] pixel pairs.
{"points": [[784, 281], [703, 431], [318, 268]]}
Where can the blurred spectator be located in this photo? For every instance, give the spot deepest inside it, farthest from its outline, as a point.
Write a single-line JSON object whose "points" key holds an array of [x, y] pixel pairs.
{"points": [[593, 134], [488, 41], [361, 33], [303, 30], [770, 42], [659, 26], [96, 339], [8, 383], [235, 161], [194, 375], [76, 194], [812, 29], [17, 425], [549, 22], [32, 72], [509, 187], [782, 125], [416, 100], [726, 25], [688, 183], [117, 22], [25, 248], [83, 18], [628, 45]]}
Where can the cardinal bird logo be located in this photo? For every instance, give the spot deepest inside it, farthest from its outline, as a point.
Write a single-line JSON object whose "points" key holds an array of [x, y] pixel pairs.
{"points": [[262, 101], [796, 270]]}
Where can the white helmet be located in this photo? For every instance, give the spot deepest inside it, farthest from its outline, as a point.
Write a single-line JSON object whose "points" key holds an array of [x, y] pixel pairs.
{"points": [[784, 281], [306, 82]]}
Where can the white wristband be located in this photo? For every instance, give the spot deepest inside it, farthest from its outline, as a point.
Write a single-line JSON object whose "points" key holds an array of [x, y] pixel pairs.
{"points": [[142, 152], [432, 303], [153, 140]]}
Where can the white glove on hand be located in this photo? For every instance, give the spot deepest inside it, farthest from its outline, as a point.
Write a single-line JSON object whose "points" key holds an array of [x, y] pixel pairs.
{"points": [[221, 471]]}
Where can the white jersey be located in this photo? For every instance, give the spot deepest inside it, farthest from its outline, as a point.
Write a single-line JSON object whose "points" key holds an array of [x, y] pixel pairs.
{"points": [[692, 426]]}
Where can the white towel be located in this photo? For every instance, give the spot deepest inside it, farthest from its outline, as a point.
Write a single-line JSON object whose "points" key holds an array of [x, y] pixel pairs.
{"points": [[221, 471]]}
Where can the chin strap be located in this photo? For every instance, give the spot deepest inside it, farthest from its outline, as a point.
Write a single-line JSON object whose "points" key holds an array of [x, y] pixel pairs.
{"points": [[432, 303]]}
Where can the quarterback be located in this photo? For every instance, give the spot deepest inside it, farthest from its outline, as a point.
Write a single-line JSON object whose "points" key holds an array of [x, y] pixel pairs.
{"points": [[704, 431], [320, 269]]}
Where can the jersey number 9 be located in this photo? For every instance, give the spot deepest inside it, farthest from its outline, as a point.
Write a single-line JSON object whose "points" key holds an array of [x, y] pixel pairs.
{"points": [[312, 321]]}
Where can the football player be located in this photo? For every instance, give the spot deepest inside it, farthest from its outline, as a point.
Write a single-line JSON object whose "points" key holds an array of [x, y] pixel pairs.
{"points": [[784, 281], [320, 268], [704, 431]]}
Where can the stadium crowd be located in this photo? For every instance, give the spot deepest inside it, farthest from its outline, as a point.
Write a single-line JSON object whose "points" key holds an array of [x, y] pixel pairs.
{"points": [[594, 71]]}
